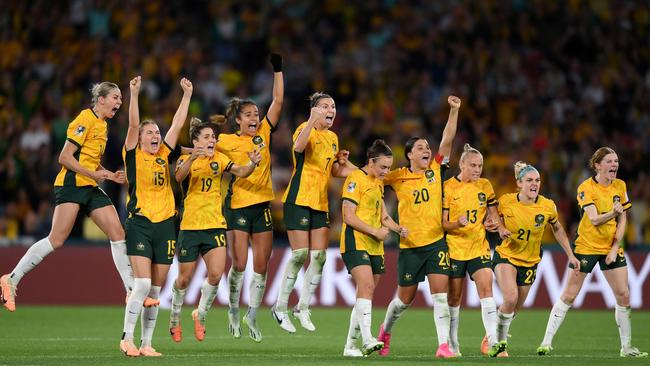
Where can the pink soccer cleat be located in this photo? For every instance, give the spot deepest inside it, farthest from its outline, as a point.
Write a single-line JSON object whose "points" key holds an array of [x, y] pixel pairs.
{"points": [[444, 351], [384, 337]]}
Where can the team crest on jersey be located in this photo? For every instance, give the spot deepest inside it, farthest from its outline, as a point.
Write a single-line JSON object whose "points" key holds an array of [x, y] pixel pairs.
{"points": [[408, 277], [581, 195], [215, 167], [430, 175], [365, 256], [241, 221], [304, 221], [257, 140], [139, 247], [481, 199], [539, 220], [583, 263], [160, 161], [351, 187], [617, 198], [183, 252]]}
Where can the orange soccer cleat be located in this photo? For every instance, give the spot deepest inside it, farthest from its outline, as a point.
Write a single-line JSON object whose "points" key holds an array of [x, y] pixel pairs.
{"points": [[7, 293], [149, 351], [129, 348], [199, 328]]}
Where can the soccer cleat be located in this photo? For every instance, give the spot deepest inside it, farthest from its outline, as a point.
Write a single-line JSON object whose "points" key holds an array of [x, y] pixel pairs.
{"points": [[444, 351], [149, 351], [253, 331], [176, 331], [371, 346], [233, 323], [385, 338], [632, 352], [498, 348], [282, 317], [199, 326], [352, 351], [7, 293], [147, 303], [305, 319], [544, 350], [129, 348], [485, 347]]}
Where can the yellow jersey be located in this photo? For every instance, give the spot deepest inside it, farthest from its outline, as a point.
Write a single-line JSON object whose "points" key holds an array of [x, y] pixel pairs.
{"points": [[88, 132], [150, 192], [257, 187], [419, 205], [469, 199], [312, 170], [367, 193], [202, 187], [599, 239], [526, 223]]}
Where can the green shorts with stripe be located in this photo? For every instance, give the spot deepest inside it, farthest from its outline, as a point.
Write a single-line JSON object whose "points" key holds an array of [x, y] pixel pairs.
{"points": [[251, 219], [460, 268], [525, 275], [588, 261], [88, 197], [304, 218], [193, 242], [354, 258], [414, 264], [156, 241]]}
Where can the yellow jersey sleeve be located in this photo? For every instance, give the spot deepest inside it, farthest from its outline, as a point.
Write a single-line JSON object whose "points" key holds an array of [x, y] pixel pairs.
{"points": [[78, 129], [367, 194]]}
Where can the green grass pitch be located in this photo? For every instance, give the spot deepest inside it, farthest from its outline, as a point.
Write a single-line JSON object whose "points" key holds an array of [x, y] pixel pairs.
{"points": [[57, 335]]}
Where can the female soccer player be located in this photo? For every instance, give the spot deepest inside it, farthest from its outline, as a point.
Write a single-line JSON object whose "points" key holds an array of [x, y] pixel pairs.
{"points": [[469, 202], [203, 225], [75, 189], [365, 225], [525, 216], [248, 203], [150, 229], [604, 202], [316, 157], [424, 252]]}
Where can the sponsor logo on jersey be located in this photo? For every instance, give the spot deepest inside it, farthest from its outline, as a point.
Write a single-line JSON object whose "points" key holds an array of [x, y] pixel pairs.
{"points": [[351, 187], [581, 195]]}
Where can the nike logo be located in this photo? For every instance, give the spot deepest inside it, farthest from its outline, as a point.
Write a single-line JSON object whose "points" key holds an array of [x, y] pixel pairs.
{"points": [[491, 312], [130, 312], [456, 198], [235, 149], [556, 316]]}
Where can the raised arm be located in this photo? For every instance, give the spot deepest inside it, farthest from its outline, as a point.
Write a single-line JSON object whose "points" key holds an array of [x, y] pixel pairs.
{"points": [[351, 219], [563, 239], [275, 109], [342, 167], [134, 115], [317, 116], [181, 114], [449, 132]]}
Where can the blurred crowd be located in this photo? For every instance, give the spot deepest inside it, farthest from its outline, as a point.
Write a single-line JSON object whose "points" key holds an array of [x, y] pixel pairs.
{"points": [[547, 82]]}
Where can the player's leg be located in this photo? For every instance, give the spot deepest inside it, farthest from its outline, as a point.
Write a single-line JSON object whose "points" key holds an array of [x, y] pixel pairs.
{"points": [[299, 242], [399, 304], [439, 288], [141, 288], [319, 241], [63, 220], [262, 243], [454, 297], [365, 281], [239, 255], [215, 261], [483, 279], [506, 275]]}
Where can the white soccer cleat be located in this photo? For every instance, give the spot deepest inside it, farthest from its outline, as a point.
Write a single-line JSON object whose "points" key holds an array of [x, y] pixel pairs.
{"points": [[632, 352], [304, 316], [254, 331], [371, 346], [352, 351], [282, 317], [234, 326]]}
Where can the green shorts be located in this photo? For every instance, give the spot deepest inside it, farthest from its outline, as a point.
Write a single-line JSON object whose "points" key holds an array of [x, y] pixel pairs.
{"points": [[525, 275], [355, 258], [251, 219], [588, 261], [155, 241], [304, 218], [414, 264], [459, 268], [193, 242], [88, 197]]}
